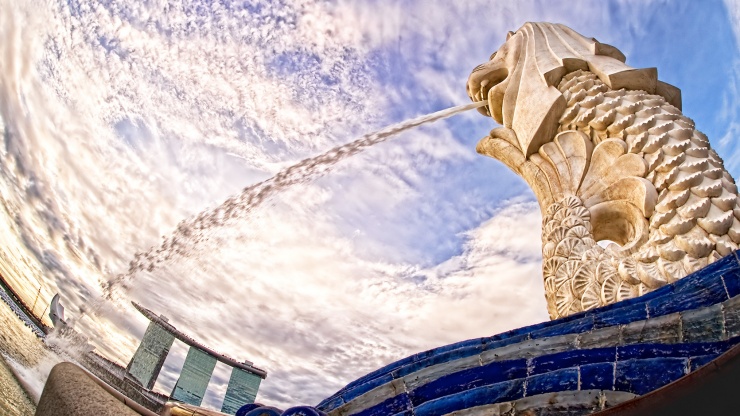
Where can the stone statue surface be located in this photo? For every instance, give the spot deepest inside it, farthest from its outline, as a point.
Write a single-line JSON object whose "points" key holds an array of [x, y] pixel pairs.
{"points": [[610, 157]]}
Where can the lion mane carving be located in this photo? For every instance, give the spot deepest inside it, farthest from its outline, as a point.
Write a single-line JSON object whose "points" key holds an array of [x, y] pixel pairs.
{"points": [[609, 156]]}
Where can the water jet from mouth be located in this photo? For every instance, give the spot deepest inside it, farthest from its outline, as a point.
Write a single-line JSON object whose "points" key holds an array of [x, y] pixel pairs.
{"points": [[190, 232]]}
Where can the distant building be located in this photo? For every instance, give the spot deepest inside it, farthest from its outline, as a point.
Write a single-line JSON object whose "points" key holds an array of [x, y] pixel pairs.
{"points": [[56, 312], [197, 370], [194, 377], [148, 359], [242, 389]]}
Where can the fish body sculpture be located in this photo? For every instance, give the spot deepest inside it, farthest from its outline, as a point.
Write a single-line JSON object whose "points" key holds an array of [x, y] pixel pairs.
{"points": [[610, 157]]}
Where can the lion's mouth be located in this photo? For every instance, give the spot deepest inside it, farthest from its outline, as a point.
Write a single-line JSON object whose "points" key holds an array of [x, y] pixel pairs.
{"points": [[483, 94], [480, 93], [485, 89]]}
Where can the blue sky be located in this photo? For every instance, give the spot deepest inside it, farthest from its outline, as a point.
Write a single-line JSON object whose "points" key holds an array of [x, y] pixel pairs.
{"points": [[120, 119]]}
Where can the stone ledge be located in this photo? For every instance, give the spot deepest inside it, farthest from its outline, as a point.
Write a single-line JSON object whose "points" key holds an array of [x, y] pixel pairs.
{"points": [[72, 391]]}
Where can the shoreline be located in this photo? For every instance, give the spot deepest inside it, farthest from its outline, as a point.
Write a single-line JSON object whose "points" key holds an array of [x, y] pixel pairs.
{"points": [[12, 378], [22, 388], [21, 310], [25, 387], [34, 324]]}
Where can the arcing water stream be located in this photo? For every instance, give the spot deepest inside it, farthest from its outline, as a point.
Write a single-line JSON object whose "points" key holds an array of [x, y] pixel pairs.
{"points": [[190, 232]]}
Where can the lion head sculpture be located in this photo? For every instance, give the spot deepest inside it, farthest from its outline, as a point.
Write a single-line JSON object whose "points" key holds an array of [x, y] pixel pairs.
{"points": [[519, 81]]}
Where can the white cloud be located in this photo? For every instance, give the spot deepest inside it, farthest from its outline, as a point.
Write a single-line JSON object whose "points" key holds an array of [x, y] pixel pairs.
{"points": [[731, 96], [325, 316]]}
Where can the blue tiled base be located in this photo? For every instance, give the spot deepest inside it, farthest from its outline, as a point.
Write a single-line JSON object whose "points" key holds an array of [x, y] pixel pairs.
{"points": [[576, 364], [634, 346]]}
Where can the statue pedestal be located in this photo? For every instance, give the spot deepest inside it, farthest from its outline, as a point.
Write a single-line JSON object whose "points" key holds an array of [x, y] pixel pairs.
{"points": [[586, 362]]}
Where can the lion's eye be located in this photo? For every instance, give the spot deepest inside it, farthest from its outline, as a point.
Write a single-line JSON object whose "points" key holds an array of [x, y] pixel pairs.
{"points": [[492, 56]]}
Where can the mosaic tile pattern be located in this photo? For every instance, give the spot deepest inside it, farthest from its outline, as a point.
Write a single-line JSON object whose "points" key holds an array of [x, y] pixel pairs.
{"points": [[582, 363]]}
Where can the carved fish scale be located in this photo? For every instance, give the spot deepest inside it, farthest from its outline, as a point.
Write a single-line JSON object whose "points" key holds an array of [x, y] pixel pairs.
{"points": [[694, 221]]}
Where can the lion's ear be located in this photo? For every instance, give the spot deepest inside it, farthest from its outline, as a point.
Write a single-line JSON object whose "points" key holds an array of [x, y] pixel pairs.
{"points": [[671, 93], [605, 49], [618, 75]]}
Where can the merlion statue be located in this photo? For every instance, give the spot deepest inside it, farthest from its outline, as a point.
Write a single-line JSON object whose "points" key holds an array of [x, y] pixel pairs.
{"points": [[610, 157]]}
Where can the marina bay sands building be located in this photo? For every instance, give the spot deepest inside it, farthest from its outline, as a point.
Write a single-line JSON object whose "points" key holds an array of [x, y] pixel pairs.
{"points": [[197, 370]]}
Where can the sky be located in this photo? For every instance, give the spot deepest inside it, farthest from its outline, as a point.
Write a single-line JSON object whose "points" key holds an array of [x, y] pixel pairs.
{"points": [[122, 118]]}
